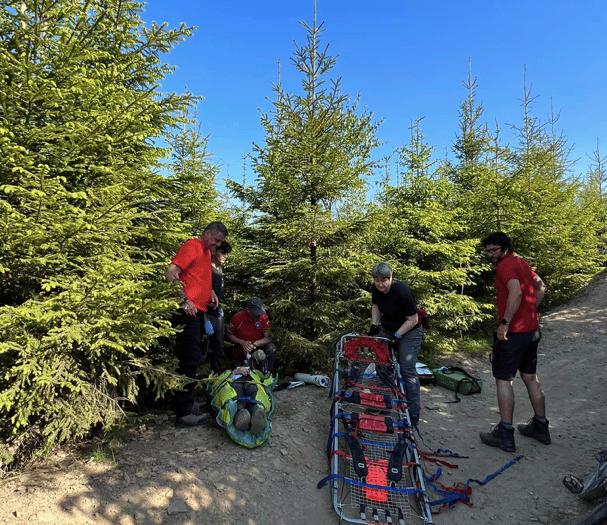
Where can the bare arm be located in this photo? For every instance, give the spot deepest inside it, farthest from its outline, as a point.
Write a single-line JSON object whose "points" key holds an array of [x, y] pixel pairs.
{"points": [[214, 299], [514, 301], [172, 273], [264, 340], [172, 276], [375, 315], [540, 289], [514, 298], [409, 324]]}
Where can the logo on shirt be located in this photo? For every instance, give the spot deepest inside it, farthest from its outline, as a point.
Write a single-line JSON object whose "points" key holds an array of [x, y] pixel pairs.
{"points": [[257, 324]]}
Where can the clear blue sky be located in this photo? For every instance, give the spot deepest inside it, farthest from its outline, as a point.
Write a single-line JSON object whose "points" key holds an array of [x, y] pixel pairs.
{"points": [[406, 59]]}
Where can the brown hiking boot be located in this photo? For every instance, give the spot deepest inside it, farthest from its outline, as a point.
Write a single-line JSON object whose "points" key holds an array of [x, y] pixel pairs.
{"points": [[536, 429], [500, 437]]}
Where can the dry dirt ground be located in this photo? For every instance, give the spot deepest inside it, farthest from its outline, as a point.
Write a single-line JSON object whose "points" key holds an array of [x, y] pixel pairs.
{"points": [[199, 476]]}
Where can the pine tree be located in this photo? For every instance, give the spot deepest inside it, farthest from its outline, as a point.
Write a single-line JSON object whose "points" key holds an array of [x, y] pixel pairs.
{"points": [[308, 205], [82, 244]]}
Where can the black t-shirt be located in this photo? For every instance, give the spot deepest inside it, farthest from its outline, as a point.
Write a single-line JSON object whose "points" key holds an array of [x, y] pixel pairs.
{"points": [[217, 284], [394, 306]]}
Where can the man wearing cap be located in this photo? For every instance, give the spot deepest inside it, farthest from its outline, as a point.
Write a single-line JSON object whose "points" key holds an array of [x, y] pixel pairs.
{"points": [[250, 331]]}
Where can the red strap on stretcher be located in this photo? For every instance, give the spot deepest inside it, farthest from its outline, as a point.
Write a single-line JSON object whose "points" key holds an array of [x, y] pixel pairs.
{"points": [[374, 423], [379, 349], [370, 462], [393, 391], [373, 400]]}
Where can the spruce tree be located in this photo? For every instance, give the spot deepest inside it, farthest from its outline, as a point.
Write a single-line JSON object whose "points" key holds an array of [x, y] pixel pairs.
{"points": [[308, 206], [593, 198], [424, 238], [553, 231], [191, 176], [82, 242]]}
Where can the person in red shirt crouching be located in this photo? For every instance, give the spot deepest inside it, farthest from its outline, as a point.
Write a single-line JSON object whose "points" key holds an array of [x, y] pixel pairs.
{"points": [[250, 331]]}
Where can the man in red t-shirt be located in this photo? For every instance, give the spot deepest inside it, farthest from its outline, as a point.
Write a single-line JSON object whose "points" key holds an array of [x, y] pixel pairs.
{"points": [[519, 291], [191, 268], [250, 331]]}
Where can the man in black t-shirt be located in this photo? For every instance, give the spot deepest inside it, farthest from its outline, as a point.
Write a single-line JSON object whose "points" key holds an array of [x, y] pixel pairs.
{"points": [[394, 316]]}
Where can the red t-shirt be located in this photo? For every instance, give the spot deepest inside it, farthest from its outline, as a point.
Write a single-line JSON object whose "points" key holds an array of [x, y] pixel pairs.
{"points": [[247, 329], [510, 267], [194, 259]]}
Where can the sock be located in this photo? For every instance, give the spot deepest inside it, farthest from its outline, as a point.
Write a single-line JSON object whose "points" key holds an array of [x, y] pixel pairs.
{"points": [[506, 425], [541, 419]]}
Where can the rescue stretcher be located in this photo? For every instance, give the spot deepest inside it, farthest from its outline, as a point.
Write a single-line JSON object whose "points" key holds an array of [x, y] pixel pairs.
{"points": [[376, 475]]}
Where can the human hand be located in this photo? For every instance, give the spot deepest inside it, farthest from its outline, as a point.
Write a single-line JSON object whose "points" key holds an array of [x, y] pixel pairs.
{"points": [[374, 330], [214, 299], [502, 331], [208, 328], [189, 308], [248, 346], [395, 339]]}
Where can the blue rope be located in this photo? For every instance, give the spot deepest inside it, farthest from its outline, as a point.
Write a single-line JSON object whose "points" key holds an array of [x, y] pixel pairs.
{"points": [[331, 477], [451, 497], [496, 473]]}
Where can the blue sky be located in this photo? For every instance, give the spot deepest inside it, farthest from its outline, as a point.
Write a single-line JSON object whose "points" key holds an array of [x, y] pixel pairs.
{"points": [[406, 59]]}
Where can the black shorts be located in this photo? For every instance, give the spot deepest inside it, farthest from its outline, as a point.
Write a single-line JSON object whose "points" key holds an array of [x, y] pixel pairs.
{"points": [[518, 353]]}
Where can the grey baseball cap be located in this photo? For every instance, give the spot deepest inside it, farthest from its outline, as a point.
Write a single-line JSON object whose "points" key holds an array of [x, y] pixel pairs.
{"points": [[255, 306]]}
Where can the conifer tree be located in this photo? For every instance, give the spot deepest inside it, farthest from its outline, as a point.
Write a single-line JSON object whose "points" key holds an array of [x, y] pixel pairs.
{"points": [[192, 177], [81, 242], [425, 239], [308, 205], [554, 233], [526, 191], [593, 198]]}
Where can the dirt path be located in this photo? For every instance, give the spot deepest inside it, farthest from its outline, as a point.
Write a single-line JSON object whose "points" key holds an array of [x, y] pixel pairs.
{"points": [[199, 476]]}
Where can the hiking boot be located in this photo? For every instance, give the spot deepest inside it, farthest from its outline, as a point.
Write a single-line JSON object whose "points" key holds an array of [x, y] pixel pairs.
{"points": [[191, 420], [258, 421], [573, 484], [536, 429], [199, 407], [500, 437], [242, 419]]}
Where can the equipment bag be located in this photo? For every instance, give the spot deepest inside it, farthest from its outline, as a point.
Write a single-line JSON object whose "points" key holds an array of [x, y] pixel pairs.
{"points": [[457, 379]]}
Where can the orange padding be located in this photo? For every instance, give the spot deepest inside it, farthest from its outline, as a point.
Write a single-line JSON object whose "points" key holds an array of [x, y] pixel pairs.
{"points": [[373, 423], [377, 475], [373, 400]]}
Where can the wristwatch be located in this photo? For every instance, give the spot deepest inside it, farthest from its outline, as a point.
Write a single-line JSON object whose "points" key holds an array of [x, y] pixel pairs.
{"points": [[503, 321]]}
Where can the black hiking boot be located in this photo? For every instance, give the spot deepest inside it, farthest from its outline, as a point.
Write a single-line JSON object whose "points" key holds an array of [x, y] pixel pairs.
{"points": [[500, 437], [191, 420], [536, 429]]}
